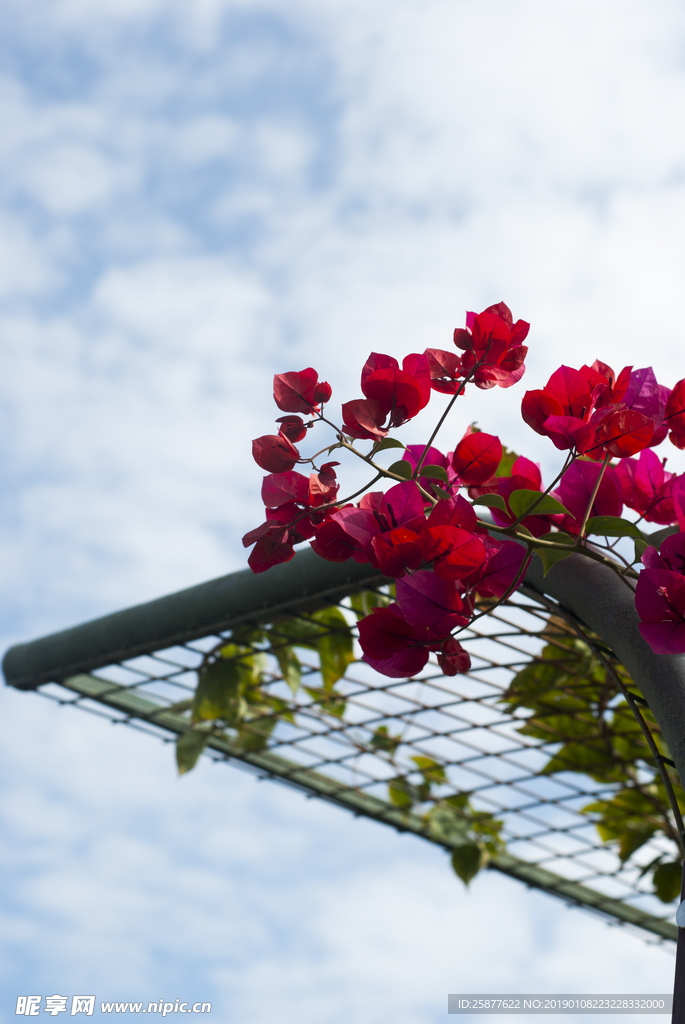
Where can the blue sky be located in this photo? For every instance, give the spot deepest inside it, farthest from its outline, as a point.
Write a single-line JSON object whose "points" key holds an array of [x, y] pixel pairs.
{"points": [[192, 197]]}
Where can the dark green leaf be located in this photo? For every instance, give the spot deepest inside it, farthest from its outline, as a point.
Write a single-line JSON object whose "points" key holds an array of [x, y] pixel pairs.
{"points": [[289, 664], [467, 860], [388, 442], [447, 825], [439, 493], [382, 740], [329, 703], [667, 879], [335, 645], [220, 691], [189, 746], [491, 501], [524, 502], [435, 473], [254, 734], [641, 546], [612, 526], [402, 468], [550, 556]]}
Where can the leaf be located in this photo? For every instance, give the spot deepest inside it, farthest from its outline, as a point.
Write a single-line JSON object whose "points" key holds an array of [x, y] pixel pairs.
{"points": [[491, 500], [550, 556], [641, 546], [388, 442], [432, 772], [612, 526], [330, 705], [467, 860], [507, 462], [667, 880], [402, 793], [439, 493], [365, 601], [254, 734], [220, 691], [189, 746], [521, 501], [435, 473], [402, 468], [382, 740], [447, 825], [289, 664], [335, 645]]}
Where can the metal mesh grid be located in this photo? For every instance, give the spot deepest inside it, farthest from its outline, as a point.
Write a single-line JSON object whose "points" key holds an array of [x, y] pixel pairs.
{"points": [[458, 722]]}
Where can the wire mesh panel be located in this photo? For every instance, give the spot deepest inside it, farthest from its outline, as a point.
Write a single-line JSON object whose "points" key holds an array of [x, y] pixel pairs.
{"points": [[448, 758]]}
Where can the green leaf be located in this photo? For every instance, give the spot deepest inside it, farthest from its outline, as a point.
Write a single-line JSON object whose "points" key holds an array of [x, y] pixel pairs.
{"points": [[382, 740], [189, 746], [329, 704], [439, 492], [402, 468], [521, 501], [447, 825], [467, 860], [289, 664], [507, 462], [254, 734], [667, 879], [220, 691], [550, 556], [335, 645], [612, 526], [491, 501], [435, 473], [432, 771], [365, 601], [388, 442], [402, 793], [641, 546]]}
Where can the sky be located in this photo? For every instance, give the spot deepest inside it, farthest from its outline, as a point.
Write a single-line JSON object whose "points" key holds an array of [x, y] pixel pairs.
{"points": [[196, 195]]}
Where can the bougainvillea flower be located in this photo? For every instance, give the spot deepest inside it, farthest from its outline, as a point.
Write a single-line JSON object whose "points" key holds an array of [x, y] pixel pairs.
{"points": [[660, 603], [455, 511], [492, 339], [501, 569], [444, 370], [477, 457], [402, 665], [294, 392], [646, 396], [452, 658], [397, 551], [623, 432], [455, 553], [525, 475], [270, 550], [322, 392], [413, 452], [607, 388], [575, 490], [537, 407], [293, 427], [335, 545], [401, 393], [274, 453], [671, 554], [364, 419], [427, 600], [646, 487], [675, 414], [567, 432], [280, 488], [323, 486]]}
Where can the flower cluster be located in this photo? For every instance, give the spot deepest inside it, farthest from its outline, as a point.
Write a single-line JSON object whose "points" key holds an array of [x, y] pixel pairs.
{"points": [[426, 535]]}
